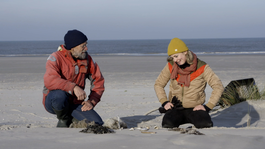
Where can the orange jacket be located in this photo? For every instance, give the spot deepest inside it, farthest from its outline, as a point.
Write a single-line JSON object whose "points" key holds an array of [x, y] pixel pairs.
{"points": [[63, 73]]}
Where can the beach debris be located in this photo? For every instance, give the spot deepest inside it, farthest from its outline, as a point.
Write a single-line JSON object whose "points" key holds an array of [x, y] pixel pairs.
{"points": [[29, 125], [7, 127], [186, 131], [96, 129], [143, 128], [148, 132], [90, 127], [114, 123], [156, 127], [79, 124]]}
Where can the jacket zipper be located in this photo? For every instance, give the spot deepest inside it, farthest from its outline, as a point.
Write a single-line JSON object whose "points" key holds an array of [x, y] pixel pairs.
{"points": [[182, 93]]}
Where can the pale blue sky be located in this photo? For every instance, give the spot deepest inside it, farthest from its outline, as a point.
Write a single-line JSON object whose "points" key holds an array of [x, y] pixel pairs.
{"points": [[131, 19]]}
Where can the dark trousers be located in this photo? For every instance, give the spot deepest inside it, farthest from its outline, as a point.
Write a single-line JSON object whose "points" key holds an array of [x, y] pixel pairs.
{"points": [[174, 118], [58, 100]]}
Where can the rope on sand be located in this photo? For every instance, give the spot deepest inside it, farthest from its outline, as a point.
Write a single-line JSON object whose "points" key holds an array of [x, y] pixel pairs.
{"points": [[151, 111]]}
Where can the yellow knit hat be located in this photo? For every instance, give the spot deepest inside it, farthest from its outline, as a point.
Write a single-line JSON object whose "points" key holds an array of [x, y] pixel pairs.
{"points": [[176, 46]]}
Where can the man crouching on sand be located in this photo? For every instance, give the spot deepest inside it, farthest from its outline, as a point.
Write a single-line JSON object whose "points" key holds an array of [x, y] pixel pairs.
{"points": [[65, 79]]}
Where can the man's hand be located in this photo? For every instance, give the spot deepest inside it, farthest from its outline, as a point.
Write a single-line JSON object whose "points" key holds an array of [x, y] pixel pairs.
{"points": [[80, 93], [199, 107], [87, 105], [168, 106]]}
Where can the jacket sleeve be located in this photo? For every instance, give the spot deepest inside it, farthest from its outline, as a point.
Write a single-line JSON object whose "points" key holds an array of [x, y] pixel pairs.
{"points": [[216, 84], [52, 77], [97, 82], [160, 84]]}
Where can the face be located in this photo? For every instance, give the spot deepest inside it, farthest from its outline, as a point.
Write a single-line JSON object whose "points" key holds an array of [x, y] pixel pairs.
{"points": [[179, 58], [80, 51]]}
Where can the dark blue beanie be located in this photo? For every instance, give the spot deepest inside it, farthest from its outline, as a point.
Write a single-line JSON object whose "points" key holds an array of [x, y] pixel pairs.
{"points": [[74, 38]]}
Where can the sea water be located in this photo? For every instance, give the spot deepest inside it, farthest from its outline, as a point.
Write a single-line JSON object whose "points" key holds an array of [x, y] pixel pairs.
{"points": [[226, 46]]}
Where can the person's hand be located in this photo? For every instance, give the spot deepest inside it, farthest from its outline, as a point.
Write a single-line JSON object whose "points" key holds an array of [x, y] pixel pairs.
{"points": [[80, 93], [87, 105], [199, 107], [168, 106]]}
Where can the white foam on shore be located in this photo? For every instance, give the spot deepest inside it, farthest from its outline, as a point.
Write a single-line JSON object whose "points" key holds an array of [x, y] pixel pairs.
{"points": [[144, 54]]}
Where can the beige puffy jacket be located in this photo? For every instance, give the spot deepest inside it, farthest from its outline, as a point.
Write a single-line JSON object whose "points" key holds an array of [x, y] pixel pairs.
{"points": [[194, 94]]}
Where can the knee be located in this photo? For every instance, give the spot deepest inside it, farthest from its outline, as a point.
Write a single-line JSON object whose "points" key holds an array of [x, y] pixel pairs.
{"points": [[200, 119], [203, 124], [90, 115], [170, 121], [58, 99], [168, 124]]}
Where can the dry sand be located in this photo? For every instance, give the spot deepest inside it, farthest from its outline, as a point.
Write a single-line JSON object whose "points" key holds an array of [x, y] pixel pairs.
{"points": [[129, 94]]}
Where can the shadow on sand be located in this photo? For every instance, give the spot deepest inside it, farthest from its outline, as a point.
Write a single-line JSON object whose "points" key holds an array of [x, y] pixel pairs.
{"points": [[133, 121], [239, 115]]}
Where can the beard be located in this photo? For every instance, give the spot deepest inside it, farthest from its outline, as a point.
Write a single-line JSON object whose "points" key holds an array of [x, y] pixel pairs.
{"points": [[81, 55]]}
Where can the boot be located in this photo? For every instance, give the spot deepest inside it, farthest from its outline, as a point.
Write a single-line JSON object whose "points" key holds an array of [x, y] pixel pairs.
{"points": [[64, 117]]}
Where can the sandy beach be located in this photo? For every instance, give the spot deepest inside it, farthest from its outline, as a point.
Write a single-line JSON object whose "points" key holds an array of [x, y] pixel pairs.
{"points": [[129, 95]]}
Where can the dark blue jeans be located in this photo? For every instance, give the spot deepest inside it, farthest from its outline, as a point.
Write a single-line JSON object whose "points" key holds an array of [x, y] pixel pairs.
{"points": [[58, 100]]}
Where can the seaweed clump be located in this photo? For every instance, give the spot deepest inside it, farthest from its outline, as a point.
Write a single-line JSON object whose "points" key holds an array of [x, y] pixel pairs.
{"points": [[92, 127]]}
